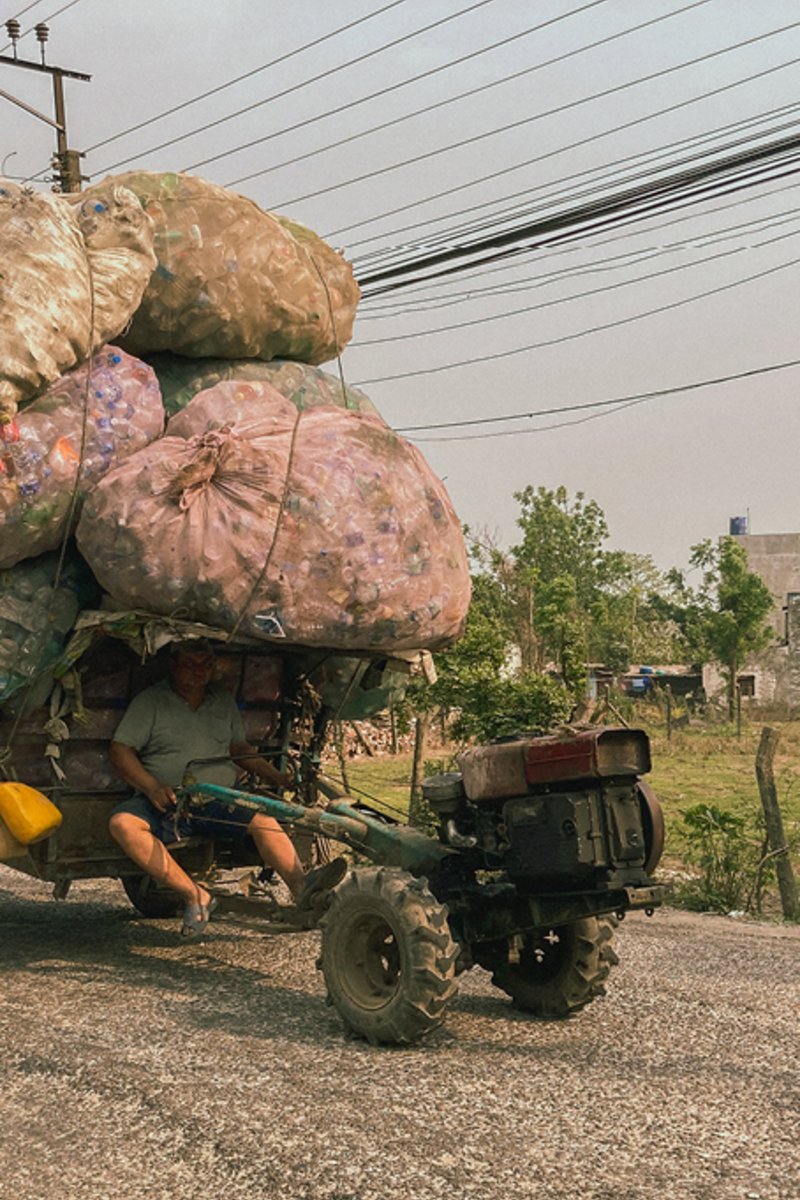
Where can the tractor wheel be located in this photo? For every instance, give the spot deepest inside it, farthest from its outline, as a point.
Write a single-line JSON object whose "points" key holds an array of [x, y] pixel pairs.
{"points": [[560, 970], [149, 899], [387, 956]]}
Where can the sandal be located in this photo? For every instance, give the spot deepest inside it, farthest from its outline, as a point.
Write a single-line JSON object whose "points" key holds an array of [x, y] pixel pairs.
{"points": [[196, 918], [321, 879]]}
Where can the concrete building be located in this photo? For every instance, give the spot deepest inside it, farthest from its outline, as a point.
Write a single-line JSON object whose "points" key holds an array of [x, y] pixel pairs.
{"points": [[772, 677]]}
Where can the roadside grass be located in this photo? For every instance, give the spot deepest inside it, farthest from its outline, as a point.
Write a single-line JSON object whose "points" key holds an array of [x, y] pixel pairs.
{"points": [[383, 781], [715, 767]]}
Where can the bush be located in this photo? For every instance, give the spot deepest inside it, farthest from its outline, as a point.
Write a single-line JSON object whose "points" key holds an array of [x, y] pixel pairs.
{"points": [[732, 860], [492, 707]]}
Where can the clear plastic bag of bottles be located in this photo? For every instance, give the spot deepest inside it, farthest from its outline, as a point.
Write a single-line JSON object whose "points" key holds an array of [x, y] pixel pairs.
{"points": [[233, 281], [40, 449], [318, 527], [36, 618], [73, 273]]}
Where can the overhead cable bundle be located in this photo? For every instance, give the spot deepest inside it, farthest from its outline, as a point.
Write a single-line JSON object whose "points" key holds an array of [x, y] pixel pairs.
{"points": [[45, 448], [319, 527], [233, 281], [73, 274]]}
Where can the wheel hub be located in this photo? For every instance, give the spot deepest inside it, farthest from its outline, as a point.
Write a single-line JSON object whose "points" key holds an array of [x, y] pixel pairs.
{"points": [[374, 976]]}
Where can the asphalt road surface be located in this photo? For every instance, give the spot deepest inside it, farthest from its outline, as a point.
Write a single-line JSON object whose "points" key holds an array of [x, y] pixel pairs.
{"points": [[135, 1065]]}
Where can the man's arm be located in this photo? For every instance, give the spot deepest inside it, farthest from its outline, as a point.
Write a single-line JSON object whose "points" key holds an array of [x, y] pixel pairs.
{"points": [[127, 764], [247, 757]]}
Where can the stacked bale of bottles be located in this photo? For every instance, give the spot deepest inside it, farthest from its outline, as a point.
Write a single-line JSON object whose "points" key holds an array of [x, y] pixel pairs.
{"points": [[293, 512]]}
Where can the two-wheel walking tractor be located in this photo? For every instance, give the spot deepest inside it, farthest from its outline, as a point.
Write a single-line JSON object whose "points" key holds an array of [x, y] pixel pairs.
{"points": [[544, 843], [538, 846]]}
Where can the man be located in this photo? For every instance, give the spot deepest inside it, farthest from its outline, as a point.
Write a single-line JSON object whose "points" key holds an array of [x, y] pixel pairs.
{"points": [[166, 727]]}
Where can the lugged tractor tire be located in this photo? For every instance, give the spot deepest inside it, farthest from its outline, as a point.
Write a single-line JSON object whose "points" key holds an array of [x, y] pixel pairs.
{"points": [[150, 900], [560, 970], [388, 958]]}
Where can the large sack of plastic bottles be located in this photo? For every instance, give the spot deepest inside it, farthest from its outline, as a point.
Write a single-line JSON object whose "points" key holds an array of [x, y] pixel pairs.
{"points": [[278, 504], [233, 281], [57, 448], [306, 386], [319, 526], [72, 276], [36, 617]]}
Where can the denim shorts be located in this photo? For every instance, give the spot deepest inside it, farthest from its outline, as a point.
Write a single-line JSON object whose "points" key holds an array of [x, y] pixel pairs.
{"points": [[213, 819]]}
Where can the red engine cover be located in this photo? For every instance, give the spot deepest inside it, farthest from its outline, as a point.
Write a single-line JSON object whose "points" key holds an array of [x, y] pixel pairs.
{"points": [[591, 754], [513, 768]]}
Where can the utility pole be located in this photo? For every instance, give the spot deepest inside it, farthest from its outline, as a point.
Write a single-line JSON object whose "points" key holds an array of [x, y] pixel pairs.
{"points": [[66, 162]]}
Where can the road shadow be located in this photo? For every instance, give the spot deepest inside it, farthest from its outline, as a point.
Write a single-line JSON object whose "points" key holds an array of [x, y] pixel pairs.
{"points": [[234, 981]]}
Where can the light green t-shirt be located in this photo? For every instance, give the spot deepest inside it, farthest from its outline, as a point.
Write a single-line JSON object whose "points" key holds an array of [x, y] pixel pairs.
{"points": [[167, 734]]}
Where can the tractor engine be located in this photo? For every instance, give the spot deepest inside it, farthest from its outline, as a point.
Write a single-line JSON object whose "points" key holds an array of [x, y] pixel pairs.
{"points": [[559, 813]]}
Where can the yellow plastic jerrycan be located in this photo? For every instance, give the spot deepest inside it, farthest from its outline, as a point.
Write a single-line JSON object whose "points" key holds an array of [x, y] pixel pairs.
{"points": [[9, 846], [28, 815]]}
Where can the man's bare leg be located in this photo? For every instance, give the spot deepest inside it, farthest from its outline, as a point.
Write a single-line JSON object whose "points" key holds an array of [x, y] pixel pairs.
{"points": [[133, 835], [277, 850]]}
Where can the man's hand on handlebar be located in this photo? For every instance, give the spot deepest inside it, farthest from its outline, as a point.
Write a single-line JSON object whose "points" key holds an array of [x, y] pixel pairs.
{"points": [[162, 796]]}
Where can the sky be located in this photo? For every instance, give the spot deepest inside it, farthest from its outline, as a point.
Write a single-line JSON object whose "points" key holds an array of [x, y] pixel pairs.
{"points": [[558, 327]]}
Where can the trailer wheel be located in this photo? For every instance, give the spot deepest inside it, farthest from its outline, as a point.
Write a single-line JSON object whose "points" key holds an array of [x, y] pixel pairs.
{"points": [[560, 970], [388, 958], [149, 899]]}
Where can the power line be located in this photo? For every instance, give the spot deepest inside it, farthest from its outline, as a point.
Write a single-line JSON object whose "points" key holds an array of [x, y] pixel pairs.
{"points": [[662, 184], [600, 181], [635, 398], [16, 16], [583, 231], [468, 362], [385, 91], [616, 89], [45, 21], [479, 437], [304, 83], [661, 192], [441, 298], [168, 112], [563, 149], [389, 306], [392, 308], [451, 99], [528, 308]]}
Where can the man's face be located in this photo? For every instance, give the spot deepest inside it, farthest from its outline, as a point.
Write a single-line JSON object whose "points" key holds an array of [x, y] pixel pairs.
{"points": [[192, 668]]}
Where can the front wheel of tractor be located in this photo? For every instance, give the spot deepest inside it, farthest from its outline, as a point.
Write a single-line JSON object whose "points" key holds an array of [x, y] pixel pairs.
{"points": [[388, 957]]}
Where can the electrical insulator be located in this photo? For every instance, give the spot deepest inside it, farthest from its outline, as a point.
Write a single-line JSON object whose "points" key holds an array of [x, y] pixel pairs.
{"points": [[13, 29], [42, 34]]}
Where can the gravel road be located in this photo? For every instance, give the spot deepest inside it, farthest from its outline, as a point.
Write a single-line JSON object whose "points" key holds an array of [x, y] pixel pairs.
{"points": [[135, 1065]]}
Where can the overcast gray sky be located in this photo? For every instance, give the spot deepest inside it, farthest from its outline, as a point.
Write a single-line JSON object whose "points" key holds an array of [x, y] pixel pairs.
{"points": [[668, 472]]}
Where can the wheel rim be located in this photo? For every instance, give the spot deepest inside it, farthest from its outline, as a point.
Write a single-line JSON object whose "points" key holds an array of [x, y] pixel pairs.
{"points": [[374, 968]]}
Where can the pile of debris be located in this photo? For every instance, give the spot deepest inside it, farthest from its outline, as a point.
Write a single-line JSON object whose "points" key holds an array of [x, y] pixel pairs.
{"points": [[276, 502]]}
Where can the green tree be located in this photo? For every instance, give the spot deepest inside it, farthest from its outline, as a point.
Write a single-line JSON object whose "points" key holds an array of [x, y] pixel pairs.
{"points": [[558, 567], [725, 618], [577, 602], [480, 681], [629, 620], [562, 536], [557, 599]]}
